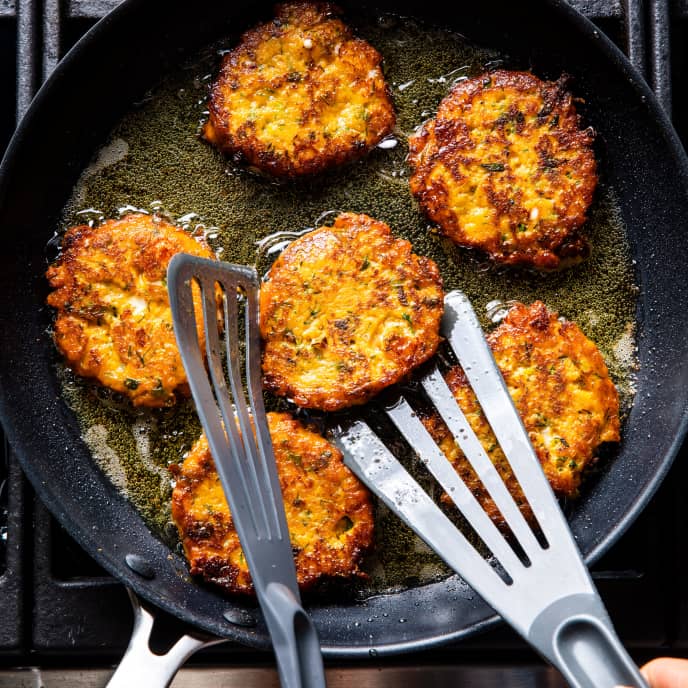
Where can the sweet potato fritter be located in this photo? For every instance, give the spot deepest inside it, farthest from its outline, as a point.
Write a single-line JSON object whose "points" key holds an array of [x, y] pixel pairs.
{"points": [[329, 512], [562, 390], [300, 94], [346, 311], [113, 315], [504, 167]]}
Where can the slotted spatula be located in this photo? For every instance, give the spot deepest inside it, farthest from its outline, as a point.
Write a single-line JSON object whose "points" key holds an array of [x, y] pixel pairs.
{"points": [[544, 590], [243, 456]]}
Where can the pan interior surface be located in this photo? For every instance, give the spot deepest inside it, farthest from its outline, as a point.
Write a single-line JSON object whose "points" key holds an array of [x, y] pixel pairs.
{"points": [[632, 136], [247, 219]]}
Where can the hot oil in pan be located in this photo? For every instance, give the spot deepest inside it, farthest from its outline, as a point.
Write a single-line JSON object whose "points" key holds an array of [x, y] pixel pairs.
{"points": [[155, 161]]}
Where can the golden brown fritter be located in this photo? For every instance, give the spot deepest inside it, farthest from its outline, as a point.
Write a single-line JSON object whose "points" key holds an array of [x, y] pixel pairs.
{"points": [[346, 311], [113, 314], [300, 94], [329, 512], [504, 167], [562, 390]]}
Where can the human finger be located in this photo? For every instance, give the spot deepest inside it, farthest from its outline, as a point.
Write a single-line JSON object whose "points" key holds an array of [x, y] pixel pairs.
{"points": [[666, 672]]}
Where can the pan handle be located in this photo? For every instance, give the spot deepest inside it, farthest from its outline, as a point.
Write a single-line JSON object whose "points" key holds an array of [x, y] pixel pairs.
{"points": [[140, 666]]}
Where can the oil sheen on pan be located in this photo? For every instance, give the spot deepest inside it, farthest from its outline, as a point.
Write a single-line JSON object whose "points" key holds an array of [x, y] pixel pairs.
{"points": [[156, 161]]}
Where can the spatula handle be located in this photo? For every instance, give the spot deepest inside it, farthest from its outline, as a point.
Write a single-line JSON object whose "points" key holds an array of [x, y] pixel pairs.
{"points": [[294, 639], [577, 637]]}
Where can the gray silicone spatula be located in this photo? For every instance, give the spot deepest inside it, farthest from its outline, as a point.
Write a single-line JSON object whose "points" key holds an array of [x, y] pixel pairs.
{"points": [[243, 455], [542, 588]]}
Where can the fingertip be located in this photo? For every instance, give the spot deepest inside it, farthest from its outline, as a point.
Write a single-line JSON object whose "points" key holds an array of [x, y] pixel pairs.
{"points": [[666, 672]]}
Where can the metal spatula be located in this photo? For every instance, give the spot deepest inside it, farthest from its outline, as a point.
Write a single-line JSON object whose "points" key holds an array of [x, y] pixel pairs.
{"points": [[243, 456], [544, 591]]}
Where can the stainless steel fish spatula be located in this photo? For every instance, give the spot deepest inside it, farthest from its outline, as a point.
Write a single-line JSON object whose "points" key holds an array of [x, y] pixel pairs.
{"points": [[541, 587], [241, 447]]}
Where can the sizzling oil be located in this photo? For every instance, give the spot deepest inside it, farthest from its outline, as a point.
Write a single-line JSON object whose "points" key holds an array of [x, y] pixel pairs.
{"points": [[155, 161]]}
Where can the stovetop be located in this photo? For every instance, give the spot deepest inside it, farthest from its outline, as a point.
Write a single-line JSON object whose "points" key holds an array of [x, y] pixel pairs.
{"points": [[60, 612]]}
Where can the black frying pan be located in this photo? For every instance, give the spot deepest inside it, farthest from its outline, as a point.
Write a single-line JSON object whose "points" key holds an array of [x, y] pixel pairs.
{"points": [[126, 54]]}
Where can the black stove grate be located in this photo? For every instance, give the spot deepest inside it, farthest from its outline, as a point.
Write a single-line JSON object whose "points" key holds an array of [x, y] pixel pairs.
{"points": [[58, 606]]}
